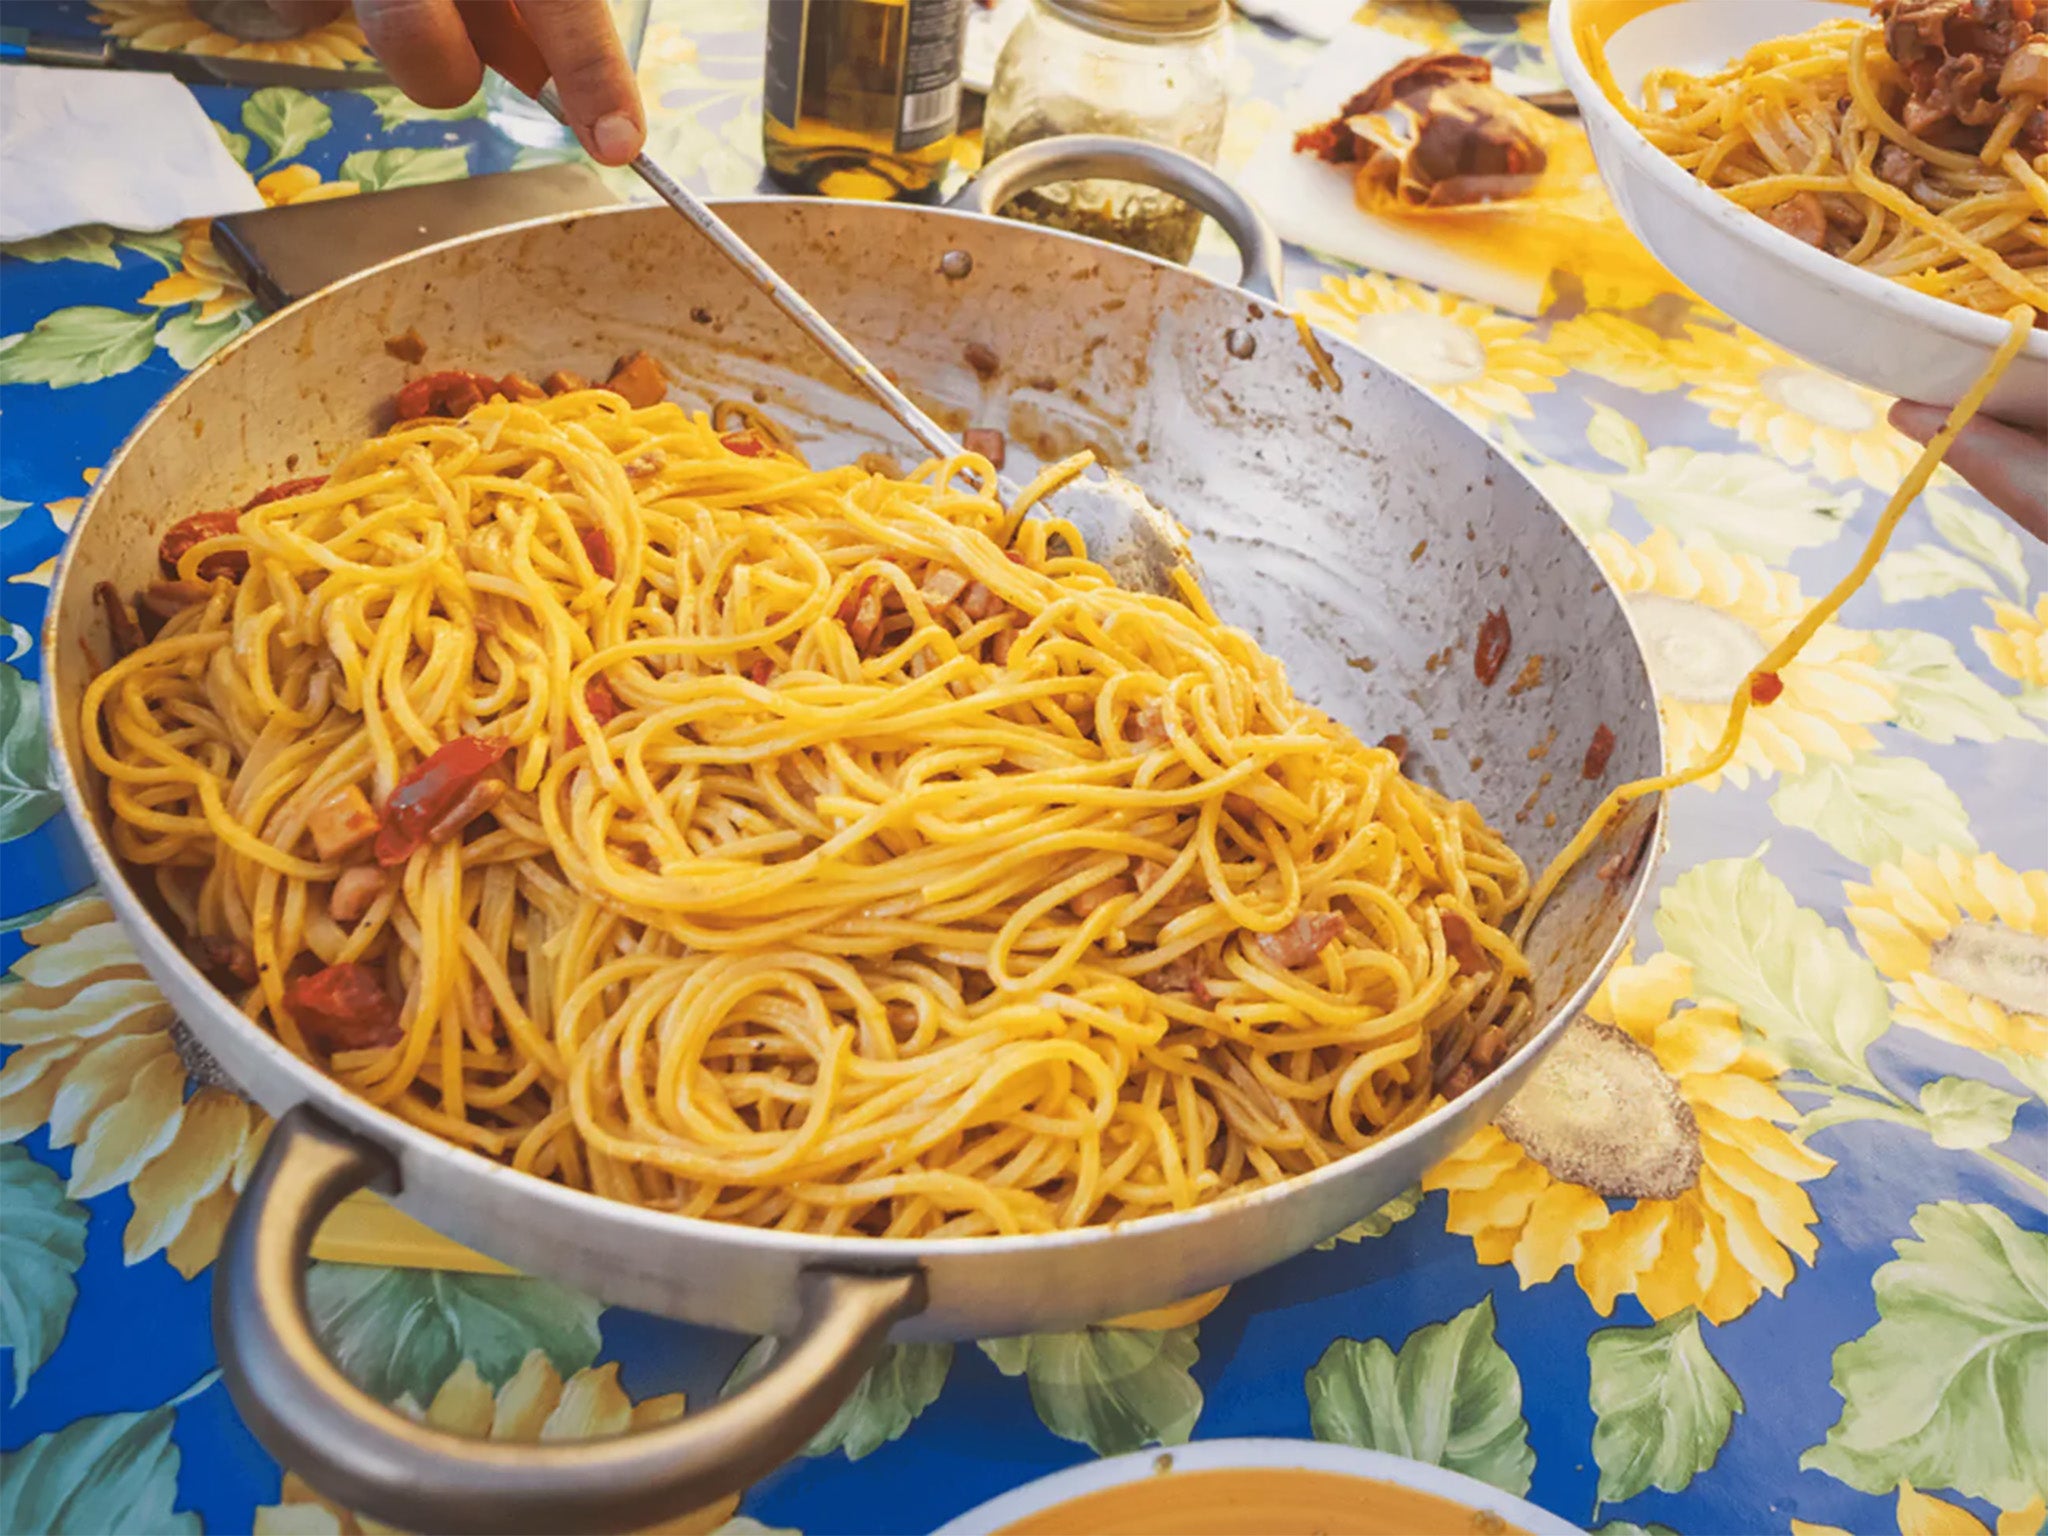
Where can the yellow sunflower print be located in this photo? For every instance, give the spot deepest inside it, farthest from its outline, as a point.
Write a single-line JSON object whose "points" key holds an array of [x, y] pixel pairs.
{"points": [[1963, 940], [204, 277], [96, 1062], [1435, 24], [1791, 410], [1481, 363], [536, 1404], [2018, 647], [1706, 616], [1921, 1514], [1662, 1105], [183, 26]]}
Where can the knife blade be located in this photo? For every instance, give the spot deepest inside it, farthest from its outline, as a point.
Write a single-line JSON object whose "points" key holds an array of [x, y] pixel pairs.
{"points": [[20, 46]]}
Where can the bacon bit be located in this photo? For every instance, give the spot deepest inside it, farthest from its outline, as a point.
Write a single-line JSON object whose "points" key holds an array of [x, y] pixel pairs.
{"points": [[160, 601], [599, 549], [196, 530], [986, 441], [982, 359], [414, 814], [999, 646], [344, 1008], [978, 603], [639, 379], [452, 393], [1598, 753], [481, 797], [942, 586], [1397, 744], [861, 613], [603, 703], [1202, 994], [1622, 865], [356, 891], [647, 464], [406, 347], [1301, 940], [1488, 1049], [1148, 873], [1179, 974], [564, 382], [341, 824], [1243, 807], [1801, 216], [223, 961], [1765, 687], [1096, 895], [1147, 723], [483, 1008], [1460, 945], [1462, 1077], [745, 444], [761, 671], [282, 489], [127, 634], [517, 386], [1494, 640]]}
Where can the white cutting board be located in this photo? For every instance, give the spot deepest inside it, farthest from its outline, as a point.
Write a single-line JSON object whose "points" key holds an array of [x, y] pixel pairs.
{"points": [[1310, 203]]}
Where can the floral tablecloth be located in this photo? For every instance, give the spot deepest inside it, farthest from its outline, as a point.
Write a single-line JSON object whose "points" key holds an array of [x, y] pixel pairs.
{"points": [[1835, 1315]]}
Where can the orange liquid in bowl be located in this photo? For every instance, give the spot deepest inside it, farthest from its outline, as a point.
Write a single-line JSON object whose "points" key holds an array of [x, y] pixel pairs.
{"points": [[1268, 1501]]}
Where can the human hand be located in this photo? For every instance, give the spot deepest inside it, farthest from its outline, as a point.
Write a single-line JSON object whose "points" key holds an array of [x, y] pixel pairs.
{"points": [[2009, 466], [427, 47]]}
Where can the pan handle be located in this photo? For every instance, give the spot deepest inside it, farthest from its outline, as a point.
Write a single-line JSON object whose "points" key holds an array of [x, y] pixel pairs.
{"points": [[1070, 157], [356, 1450]]}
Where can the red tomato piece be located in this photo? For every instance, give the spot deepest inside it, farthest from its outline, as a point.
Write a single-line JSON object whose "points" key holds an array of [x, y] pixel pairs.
{"points": [[604, 704], [745, 444], [344, 1008], [197, 529], [431, 791], [599, 549], [1765, 687], [282, 489]]}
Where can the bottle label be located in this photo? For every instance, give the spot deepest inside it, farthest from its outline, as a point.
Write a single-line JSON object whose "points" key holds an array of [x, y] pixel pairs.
{"points": [[782, 83], [934, 33]]}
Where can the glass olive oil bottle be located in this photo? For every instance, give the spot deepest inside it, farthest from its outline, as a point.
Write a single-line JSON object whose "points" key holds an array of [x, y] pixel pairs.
{"points": [[862, 97]]}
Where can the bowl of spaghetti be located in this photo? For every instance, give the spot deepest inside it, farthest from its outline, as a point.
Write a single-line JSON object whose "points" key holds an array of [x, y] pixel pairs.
{"points": [[561, 759], [1866, 185]]}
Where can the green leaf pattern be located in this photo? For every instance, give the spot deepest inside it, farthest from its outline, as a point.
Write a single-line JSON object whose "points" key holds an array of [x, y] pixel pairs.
{"points": [[27, 797], [1662, 1406], [1112, 1389], [402, 1332], [1946, 1390], [381, 170], [1449, 1396], [79, 345], [42, 1243], [106, 1476], [896, 1389], [285, 120]]}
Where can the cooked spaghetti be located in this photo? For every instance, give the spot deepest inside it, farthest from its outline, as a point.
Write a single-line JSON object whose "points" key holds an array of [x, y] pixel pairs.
{"points": [[605, 790], [1914, 146]]}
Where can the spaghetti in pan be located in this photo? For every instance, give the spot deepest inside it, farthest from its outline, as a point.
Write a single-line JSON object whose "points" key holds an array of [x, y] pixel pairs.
{"points": [[604, 789]]}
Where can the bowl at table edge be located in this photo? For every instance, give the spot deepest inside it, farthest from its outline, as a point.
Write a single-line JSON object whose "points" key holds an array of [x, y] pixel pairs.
{"points": [[1213, 1486], [1868, 328]]}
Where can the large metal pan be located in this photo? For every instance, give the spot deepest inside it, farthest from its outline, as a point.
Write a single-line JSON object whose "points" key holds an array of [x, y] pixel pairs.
{"points": [[1361, 534]]}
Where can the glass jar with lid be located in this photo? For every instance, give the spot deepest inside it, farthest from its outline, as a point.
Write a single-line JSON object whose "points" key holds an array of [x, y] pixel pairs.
{"points": [[1147, 69]]}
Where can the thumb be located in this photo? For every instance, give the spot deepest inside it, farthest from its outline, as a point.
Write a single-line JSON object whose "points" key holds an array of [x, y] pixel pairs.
{"points": [[582, 50]]}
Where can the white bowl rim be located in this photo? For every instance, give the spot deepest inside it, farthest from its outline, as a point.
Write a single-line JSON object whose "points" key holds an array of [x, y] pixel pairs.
{"points": [[1248, 1454], [1958, 322]]}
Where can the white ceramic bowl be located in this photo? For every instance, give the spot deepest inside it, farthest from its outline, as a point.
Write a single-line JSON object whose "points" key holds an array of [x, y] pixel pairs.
{"points": [[1840, 317], [1038, 1502]]}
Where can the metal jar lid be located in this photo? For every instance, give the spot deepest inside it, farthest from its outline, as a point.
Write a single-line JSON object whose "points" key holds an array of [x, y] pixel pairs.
{"points": [[1141, 21]]}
